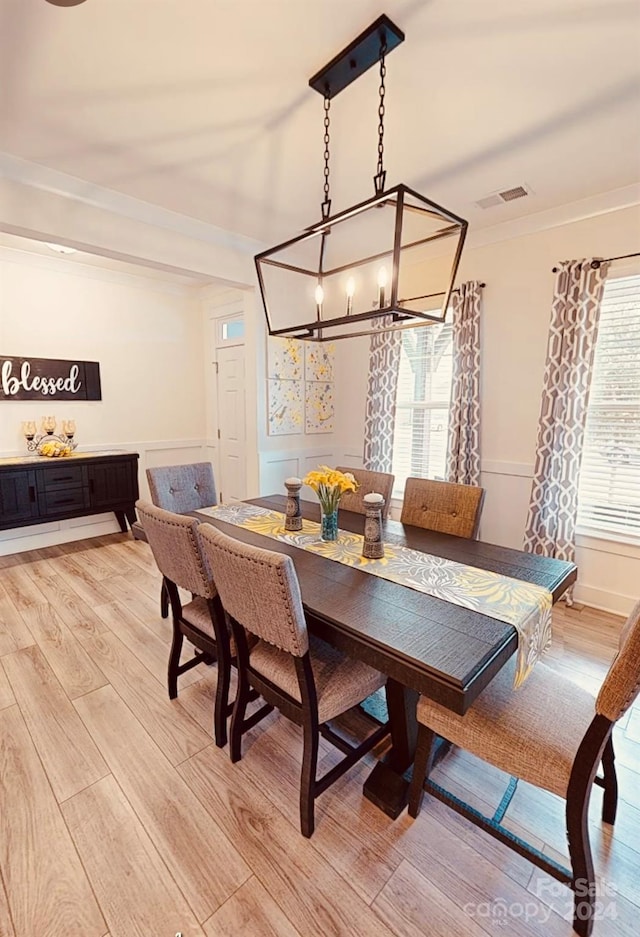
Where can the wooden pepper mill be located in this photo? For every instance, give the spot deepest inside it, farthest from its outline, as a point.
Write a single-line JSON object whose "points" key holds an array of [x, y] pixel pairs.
{"points": [[372, 545], [293, 517]]}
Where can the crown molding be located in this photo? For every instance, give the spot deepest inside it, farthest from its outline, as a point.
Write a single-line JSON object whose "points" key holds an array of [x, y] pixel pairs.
{"points": [[59, 183], [89, 271], [601, 204]]}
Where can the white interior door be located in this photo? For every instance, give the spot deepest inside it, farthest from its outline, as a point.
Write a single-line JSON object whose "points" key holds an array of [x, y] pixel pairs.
{"points": [[231, 423]]}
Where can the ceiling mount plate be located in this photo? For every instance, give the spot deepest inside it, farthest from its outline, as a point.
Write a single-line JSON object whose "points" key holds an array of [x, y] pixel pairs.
{"points": [[356, 58]]}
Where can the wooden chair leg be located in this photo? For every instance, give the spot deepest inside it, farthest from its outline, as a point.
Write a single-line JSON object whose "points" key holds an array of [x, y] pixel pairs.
{"points": [[164, 601], [243, 694], [308, 777], [584, 883], [221, 707], [174, 661], [421, 768], [610, 799]]}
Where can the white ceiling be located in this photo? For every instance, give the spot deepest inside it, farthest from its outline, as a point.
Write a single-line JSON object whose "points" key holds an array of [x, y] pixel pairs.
{"points": [[203, 106]]}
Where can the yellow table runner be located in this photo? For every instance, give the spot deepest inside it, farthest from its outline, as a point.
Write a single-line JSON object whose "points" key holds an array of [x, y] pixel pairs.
{"points": [[522, 604]]}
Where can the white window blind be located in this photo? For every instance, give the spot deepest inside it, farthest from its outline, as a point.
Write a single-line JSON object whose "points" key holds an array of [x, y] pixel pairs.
{"points": [[422, 404], [609, 492]]}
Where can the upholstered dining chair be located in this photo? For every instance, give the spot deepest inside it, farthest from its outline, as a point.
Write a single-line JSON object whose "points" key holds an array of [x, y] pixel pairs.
{"points": [[310, 682], [442, 506], [181, 488], [368, 481], [173, 539], [552, 734]]}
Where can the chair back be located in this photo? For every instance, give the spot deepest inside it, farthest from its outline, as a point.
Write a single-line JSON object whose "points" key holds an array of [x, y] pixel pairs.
{"points": [[182, 488], [173, 539], [622, 683], [259, 588], [442, 506], [382, 482]]}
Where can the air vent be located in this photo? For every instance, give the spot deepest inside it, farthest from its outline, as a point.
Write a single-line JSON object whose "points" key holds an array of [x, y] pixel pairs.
{"points": [[509, 194], [506, 195]]}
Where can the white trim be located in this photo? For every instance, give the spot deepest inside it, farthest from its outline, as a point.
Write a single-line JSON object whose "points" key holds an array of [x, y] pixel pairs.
{"points": [[613, 602], [519, 469], [602, 542], [58, 183], [89, 271], [601, 204], [87, 193]]}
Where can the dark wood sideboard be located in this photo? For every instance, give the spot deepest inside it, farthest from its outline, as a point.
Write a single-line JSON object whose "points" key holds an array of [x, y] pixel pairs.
{"points": [[36, 490]]}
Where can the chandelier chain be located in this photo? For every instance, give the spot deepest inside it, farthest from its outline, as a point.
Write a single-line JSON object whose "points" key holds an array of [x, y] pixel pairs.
{"points": [[380, 172], [326, 205]]}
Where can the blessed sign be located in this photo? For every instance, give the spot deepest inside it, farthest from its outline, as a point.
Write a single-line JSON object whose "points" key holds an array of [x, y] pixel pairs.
{"points": [[50, 379]]}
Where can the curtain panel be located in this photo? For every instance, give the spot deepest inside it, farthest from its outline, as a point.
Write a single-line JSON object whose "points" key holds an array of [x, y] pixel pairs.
{"points": [[382, 384], [463, 447], [573, 331]]}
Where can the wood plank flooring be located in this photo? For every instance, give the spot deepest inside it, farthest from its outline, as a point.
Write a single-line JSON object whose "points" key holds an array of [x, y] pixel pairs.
{"points": [[120, 818]]}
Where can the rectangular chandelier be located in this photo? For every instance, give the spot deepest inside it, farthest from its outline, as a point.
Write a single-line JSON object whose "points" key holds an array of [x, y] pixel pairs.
{"points": [[384, 264], [387, 263]]}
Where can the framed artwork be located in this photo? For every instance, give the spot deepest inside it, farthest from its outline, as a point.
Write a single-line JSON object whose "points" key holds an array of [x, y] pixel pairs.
{"points": [[285, 407], [318, 361], [285, 359], [319, 407]]}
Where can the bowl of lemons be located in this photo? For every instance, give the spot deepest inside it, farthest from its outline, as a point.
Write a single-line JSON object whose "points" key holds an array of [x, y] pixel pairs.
{"points": [[53, 449]]}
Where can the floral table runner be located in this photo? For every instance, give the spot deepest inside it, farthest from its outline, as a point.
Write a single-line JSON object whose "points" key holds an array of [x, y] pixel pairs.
{"points": [[522, 604]]}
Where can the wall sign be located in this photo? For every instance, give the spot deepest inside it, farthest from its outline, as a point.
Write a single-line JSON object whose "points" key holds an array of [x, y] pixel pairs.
{"points": [[49, 379]]}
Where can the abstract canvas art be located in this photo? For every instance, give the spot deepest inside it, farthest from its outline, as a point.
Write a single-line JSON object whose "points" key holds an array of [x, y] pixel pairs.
{"points": [[319, 407], [300, 390], [285, 407], [285, 359]]}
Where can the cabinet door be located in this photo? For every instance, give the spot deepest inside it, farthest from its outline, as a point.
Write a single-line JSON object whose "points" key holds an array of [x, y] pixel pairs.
{"points": [[18, 499], [113, 483]]}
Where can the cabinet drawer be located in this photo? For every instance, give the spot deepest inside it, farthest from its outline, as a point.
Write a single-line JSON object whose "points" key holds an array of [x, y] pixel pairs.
{"points": [[65, 499], [62, 476]]}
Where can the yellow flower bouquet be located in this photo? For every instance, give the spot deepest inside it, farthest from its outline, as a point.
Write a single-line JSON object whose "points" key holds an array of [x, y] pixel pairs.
{"points": [[330, 485]]}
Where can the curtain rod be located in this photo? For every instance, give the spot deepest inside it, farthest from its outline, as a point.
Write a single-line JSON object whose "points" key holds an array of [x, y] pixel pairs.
{"points": [[607, 260]]}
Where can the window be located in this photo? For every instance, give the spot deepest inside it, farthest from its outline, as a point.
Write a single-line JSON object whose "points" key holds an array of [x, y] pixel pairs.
{"points": [[231, 331], [422, 403], [609, 493]]}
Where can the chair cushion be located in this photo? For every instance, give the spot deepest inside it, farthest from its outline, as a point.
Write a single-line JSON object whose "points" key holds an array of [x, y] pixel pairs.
{"points": [[532, 733], [341, 682], [196, 613]]}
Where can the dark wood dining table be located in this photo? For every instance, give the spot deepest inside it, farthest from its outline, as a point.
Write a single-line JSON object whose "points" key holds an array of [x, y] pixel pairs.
{"points": [[423, 644]]}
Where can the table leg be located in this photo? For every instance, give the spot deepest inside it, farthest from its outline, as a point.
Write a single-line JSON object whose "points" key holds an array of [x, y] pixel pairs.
{"points": [[386, 786]]}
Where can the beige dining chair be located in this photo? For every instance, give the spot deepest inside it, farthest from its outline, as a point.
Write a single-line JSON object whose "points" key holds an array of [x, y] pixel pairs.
{"points": [[310, 682], [176, 548], [181, 488], [552, 734], [368, 481], [442, 506]]}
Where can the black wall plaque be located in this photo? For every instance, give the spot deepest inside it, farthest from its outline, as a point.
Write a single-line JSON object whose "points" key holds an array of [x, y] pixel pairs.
{"points": [[49, 379]]}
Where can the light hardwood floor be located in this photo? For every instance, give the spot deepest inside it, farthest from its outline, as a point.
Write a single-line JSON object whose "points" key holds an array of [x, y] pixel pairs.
{"points": [[120, 818]]}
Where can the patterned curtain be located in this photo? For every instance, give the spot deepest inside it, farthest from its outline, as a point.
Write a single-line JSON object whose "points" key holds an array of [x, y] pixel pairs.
{"points": [[380, 415], [463, 451], [573, 331]]}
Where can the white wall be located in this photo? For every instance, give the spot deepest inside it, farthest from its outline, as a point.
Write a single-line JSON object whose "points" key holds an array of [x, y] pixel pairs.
{"points": [[517, 303], [146, 335]]}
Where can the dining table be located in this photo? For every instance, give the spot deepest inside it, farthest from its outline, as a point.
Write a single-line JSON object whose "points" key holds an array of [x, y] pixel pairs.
{"points": [[422, 643]]}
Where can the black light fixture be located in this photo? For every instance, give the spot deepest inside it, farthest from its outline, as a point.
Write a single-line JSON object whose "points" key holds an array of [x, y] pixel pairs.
{"points": [[378, 265], [65, 3]]}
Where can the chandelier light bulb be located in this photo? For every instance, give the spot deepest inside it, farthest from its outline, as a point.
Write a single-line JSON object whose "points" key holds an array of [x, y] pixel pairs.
{"points": [[351, 288], [382, 282]]}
